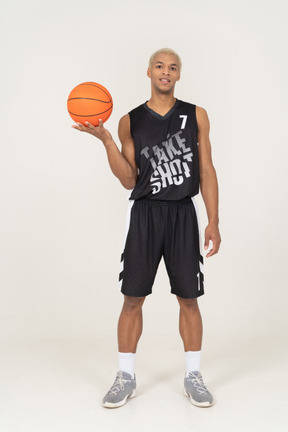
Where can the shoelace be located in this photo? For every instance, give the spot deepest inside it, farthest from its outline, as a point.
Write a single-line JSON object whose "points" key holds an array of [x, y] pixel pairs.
{"points": [[118, 385], [198, 383]]}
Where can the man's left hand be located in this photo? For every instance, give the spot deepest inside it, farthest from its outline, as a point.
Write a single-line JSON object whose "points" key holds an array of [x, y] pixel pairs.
{"points": [[212, 233]]}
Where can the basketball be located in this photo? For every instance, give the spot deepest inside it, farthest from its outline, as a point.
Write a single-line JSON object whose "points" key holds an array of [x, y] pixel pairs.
{"points": [[90, 102]]}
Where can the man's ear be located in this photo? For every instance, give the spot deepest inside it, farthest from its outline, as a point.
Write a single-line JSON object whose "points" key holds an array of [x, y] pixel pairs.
{"points": [[149, 72]]}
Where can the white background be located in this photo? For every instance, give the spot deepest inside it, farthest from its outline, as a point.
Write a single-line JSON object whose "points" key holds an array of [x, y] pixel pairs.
{"points": [[63, 212]]}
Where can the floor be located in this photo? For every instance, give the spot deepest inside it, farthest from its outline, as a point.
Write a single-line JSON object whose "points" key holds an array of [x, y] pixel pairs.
{"points": [[57, 386]]}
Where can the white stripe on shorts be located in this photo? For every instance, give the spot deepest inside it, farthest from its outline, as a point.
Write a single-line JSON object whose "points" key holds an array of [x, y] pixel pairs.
{"points": [[128, 218], [200, 237]]}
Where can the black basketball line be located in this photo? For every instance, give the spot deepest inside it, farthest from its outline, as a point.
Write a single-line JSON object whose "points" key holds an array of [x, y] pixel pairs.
{"points": [[98, 100], [90, 115], [94, 85]]}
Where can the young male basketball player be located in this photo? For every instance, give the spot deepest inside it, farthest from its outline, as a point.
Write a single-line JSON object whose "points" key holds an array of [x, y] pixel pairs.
{"points": [[165, 158]]}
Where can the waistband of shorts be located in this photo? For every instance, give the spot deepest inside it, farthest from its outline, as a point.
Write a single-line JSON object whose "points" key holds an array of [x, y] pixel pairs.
{"points": [[185, 200]]}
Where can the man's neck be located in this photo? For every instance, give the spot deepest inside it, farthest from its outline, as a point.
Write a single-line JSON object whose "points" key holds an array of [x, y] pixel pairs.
{"points": [[161, 103]]}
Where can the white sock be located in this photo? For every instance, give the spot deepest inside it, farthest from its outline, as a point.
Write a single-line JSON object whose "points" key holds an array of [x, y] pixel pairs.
{"points": [[192, 359], [126, 362]]}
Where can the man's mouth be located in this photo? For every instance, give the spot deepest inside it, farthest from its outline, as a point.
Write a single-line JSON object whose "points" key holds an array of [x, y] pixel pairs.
{"points": [[165, 80]]}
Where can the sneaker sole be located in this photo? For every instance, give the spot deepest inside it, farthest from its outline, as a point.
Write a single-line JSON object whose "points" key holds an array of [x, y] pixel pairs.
{"points": [[199, 404], [121, 403]]}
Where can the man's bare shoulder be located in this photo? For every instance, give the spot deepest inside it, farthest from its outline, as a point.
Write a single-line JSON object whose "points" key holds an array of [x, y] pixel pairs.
{"points": [[125, 120], [202, 117], [201, 113], [124, 125]]}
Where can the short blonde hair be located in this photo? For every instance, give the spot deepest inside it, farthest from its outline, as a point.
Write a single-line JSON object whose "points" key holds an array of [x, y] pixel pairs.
{"points": [[165, 51]]}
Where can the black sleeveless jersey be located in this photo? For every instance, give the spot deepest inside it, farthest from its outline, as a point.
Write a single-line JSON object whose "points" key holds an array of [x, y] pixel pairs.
{"points": [[166, 152]]}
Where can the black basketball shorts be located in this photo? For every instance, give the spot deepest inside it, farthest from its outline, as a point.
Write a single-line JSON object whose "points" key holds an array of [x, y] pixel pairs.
{"points": [[162, 228]]}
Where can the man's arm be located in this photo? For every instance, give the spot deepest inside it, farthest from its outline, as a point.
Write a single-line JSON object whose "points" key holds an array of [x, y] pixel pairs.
{"points": [[128, 149], [122, 163], [208, 182]]}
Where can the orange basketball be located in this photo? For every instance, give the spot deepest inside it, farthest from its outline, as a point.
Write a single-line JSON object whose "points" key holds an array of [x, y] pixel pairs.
{"points": [[90, 102]]}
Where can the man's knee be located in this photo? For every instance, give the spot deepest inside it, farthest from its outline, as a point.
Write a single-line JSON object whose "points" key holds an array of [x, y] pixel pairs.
{"points": [[132, 304], [188, 303]]}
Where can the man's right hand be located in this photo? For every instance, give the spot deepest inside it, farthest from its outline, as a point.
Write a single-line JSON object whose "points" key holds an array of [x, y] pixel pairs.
{"points": [[98, 131]]}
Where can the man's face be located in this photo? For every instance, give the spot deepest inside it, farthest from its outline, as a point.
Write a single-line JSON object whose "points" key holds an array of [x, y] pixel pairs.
{"points": [[164, 72]]}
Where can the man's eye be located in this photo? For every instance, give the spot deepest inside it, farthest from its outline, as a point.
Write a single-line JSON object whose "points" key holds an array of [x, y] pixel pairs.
{"points": [[158, 66], [173, 68]]}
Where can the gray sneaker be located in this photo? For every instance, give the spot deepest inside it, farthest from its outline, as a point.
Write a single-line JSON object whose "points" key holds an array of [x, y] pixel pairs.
{"points": [[124, 387], [194, 387]]}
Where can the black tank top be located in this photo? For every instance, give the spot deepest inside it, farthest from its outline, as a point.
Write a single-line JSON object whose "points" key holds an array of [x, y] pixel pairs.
{"points": [[166, 152]]}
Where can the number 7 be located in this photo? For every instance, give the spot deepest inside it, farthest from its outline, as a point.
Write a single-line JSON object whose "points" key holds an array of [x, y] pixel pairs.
{"points": [[184, 117]]}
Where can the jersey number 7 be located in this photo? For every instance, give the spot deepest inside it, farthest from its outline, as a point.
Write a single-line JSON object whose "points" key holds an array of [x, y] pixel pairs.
{"points": [[184, 117]]}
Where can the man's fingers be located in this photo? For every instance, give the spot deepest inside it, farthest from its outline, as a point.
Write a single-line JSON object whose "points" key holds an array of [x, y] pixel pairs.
{"points": [[215, 248], [79, 126], [89, 125], [206, 246], [211, 252], [206, 243], [92, 126]]}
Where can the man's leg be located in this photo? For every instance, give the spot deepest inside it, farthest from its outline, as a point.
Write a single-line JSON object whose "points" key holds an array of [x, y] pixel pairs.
{"points": [[130, 324], [191, 330], [129, 331], [190, 324]]}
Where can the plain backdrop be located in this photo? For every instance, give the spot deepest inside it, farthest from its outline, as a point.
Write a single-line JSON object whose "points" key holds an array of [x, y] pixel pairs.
{"points": [[63, 212]]}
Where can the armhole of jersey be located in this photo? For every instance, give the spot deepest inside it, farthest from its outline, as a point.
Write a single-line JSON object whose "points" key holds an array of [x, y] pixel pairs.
{"points": [[131, 131], [196, 124]]}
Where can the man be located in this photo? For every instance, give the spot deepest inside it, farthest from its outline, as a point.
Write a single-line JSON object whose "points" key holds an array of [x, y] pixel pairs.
{"points": [[165, 158]]}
